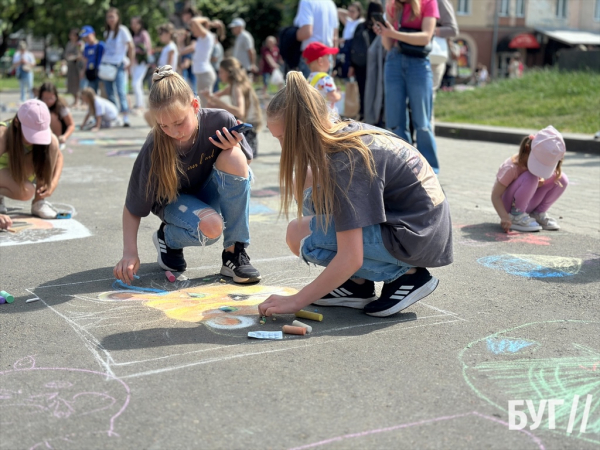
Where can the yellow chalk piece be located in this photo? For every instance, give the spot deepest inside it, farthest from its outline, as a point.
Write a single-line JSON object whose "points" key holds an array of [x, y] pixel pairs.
{"points": [[309, 315]]}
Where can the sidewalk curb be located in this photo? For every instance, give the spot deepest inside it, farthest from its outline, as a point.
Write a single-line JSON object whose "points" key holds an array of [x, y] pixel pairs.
{"points": [[574, 142]]}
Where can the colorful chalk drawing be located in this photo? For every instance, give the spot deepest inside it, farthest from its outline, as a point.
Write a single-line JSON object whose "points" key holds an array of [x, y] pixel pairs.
{"points": [[556, 367], [109, 142], [483, 238], [436, 438], [498, 346], [33, 230], [89, 175], [126, 153], [48, 398], [533, 266], [265, 209], [134, 334]]}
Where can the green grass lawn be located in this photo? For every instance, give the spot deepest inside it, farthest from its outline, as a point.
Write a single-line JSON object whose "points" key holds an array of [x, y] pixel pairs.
{"points": [[570, 101], [12, 83]]}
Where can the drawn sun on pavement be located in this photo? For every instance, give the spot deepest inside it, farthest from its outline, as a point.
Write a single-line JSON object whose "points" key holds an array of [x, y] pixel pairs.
{"points": [[541, 361]]}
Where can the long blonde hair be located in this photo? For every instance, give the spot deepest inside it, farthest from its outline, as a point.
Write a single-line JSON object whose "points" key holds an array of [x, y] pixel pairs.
{"points": [[41, 160], [167, 94], [88, 95], [238, 78], [309, 141]]}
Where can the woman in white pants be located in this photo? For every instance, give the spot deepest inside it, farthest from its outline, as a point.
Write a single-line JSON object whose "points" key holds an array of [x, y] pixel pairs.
{"points": [[202, 49], [143, 54]]}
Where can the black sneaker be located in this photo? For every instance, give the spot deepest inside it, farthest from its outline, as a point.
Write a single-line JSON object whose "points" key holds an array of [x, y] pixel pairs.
{"points": [[402, 293], [350, 295], [237, 265], [168, 258]]}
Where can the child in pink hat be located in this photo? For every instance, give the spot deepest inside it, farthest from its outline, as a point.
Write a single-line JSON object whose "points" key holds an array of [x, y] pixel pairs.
{"points": [[30, 160], [528, 183]]}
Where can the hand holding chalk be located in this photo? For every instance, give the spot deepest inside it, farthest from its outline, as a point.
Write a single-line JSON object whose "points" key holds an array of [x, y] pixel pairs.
{"points": [[280, 304], [126, 269]]}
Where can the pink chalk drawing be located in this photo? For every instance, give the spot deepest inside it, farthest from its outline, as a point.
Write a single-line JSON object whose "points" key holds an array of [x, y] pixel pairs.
{"points": [[535, 440], [520, 238], [42, 401]]}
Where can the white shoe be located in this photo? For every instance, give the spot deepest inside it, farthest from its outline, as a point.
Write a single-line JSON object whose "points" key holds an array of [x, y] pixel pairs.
{"points": [[547, 222], [43, 209], [523, 222], [3, 209], [62, 147]]}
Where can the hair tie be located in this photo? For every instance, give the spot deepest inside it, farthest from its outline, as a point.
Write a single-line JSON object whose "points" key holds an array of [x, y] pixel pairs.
{"points": [[162, 72], [532, 136]]}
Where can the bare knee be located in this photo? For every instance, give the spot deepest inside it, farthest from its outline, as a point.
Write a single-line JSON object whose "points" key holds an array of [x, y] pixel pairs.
{"points": [[233, 162], [25, 193], [55, 124], [211, 224], [296, 231]]}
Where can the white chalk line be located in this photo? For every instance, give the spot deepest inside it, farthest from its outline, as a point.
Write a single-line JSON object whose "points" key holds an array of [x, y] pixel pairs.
{"points": [[450, 313], [305, 345]]}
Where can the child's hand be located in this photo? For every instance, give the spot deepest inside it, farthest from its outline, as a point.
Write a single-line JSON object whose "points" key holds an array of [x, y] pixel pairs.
{"points": [[227, 140], [5, 222], [279, 304], [127, 268], [506, 223], [541, 182], [46, 190], [95, 129]]}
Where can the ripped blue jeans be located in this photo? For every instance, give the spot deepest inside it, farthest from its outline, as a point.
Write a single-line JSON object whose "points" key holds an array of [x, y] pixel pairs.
{"points": [[228, 195]]}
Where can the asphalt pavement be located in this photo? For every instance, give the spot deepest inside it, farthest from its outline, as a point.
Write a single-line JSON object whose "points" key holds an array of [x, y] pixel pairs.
{"points": [[88, 364]]}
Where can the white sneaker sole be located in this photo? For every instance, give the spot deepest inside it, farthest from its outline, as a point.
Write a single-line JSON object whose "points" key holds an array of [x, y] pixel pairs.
{"points": [[524, 228], [411, 298], [346, 302], [227, 272], [158, 259]]}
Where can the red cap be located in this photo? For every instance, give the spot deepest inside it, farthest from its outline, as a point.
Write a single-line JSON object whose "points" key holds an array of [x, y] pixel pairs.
{"points": [[315, 50]]}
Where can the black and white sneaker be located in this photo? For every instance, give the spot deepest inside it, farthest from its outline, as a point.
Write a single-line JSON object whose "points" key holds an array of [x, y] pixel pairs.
{"points": [[168, 258], [237, 265], [402, 293], [350, 295]]}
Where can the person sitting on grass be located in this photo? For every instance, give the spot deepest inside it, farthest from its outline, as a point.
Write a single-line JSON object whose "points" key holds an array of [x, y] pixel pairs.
{"points": [[317, 58], [530, 182], [61, 120], [195, 184], [369, 208], [30, 161], [103, 111]]}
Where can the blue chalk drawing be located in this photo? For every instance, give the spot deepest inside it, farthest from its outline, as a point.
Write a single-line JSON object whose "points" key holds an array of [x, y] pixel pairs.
{"points": [[533, 266], [498, 346], [258, 208], [118, 284]]}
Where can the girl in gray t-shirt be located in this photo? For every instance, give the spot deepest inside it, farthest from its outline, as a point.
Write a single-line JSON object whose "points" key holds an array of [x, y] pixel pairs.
{"points": [[183, 176], [370, 208]]}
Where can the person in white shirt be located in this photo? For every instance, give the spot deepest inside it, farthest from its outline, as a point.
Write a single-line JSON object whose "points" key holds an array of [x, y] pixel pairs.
{"points": [[24, 62], [117, 46], [103, 111], [317, 21], [169, 55], [350, 18], [243, 49]]}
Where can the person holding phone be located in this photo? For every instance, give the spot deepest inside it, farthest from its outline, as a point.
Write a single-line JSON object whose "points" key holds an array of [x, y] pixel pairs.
{"points": [[407, 72], [195, 184]]}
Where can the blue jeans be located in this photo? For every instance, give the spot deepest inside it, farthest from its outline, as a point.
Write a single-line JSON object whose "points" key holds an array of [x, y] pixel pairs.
{"points": [[121, 85], [320, 247], [227, 194], [26, 85], [410, 78]]}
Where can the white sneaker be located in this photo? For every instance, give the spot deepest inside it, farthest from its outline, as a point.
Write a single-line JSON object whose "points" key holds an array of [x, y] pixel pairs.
{"points": [[547, 222], [3, 209], [43, 209], [523, 222]]}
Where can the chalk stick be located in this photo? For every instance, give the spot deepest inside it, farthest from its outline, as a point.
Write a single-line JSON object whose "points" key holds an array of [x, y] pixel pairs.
{"points": [[309, 315], [170, 276], [2, 300], [288, 329], [31, 300], [9, 298], [297, 323]]}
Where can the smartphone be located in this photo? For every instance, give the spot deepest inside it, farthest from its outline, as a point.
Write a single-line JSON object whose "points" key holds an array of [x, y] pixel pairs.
{"points": [[238, 128], [377, 16]]}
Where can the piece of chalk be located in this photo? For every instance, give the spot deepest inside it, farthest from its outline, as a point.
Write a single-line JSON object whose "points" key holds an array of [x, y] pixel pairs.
{"points": [[31, 300], [2, 300], [309, 315], [288, 329], [170, 276], [297, 323], [137, 277], [9, 298]]}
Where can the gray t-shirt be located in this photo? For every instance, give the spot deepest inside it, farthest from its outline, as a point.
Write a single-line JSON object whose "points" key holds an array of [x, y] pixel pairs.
{"points": [[197, 162], [405, 197], [243, 42]]}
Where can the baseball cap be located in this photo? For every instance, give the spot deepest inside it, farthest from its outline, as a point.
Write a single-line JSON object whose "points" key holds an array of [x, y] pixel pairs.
{"points": [[86, 31], [35, 122], [315, 50], [547, 149], [239, 22]]}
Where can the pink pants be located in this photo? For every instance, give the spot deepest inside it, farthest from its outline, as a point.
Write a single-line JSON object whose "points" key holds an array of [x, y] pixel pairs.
{"points": [[528, 197]]}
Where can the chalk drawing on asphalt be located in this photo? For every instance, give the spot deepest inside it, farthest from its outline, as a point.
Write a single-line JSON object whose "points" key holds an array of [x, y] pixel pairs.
{"points": [[533, 266]]}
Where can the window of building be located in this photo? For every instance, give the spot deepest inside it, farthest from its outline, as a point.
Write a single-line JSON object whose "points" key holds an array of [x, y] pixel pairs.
{"points": [[597, 11], [464, 7], [504, 7], [561, 9], [520, 9]]}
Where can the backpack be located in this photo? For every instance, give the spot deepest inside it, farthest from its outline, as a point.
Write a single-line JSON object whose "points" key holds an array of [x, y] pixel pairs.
{"points": [[360, 46], [289, 47]]}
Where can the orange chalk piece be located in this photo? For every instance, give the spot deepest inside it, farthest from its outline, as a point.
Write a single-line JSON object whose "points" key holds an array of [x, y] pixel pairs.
{"points": [[309, 315], [288, 329]]}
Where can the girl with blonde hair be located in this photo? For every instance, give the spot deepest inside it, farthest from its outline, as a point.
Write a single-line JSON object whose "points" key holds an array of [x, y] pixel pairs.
{"points": [[195, 184], [244, 105], [369, 208]]}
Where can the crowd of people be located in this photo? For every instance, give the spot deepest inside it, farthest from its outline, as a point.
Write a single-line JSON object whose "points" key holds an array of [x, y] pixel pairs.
{"points": [[369, 206]]}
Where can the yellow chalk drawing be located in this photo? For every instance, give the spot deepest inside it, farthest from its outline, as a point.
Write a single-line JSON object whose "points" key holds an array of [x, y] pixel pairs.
{"points": [[181, 305], [565, 264]]}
